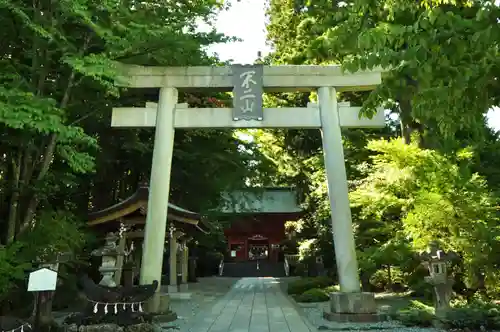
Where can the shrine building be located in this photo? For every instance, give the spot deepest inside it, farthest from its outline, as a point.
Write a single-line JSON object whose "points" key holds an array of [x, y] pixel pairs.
{"points": [[256, 219], [128, 218], [255, 228]]}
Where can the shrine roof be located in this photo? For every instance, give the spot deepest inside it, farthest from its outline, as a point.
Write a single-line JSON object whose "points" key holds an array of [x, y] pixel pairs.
{"points": [[138, 202], [267, 200]]}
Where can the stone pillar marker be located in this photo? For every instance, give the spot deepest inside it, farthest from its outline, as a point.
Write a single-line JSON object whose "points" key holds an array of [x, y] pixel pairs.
{"points": [[184, 266], [179, 259], [174, 235], [122, 242], [436, 260], [159, 189]]}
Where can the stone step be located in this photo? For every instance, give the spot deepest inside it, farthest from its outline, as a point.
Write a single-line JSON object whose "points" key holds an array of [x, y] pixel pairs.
{"points": [[253, 269]]}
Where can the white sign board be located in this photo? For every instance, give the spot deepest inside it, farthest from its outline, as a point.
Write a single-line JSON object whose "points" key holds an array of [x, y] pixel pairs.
{"points": [[233, 253], [42, 280]]}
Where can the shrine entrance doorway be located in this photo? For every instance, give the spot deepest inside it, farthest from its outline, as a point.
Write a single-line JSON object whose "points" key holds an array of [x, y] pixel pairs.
{"points": [[258, 247], [257, 231]]}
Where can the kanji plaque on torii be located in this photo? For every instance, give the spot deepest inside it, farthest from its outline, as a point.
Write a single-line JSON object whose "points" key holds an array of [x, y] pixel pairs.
{"points": [[247, 92]]}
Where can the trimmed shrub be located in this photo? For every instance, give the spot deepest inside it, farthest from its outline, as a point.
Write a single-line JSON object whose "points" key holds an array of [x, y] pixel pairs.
{"points": [[305, 284], [416, 314], [312, 295], [331, 289], [477, 316]]}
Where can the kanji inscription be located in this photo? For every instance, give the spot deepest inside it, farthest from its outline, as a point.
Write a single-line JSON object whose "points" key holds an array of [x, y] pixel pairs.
{"points": [[247, 92]]}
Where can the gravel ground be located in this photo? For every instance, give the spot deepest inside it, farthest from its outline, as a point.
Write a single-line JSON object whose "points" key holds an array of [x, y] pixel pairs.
{"points": [[314, 313]]}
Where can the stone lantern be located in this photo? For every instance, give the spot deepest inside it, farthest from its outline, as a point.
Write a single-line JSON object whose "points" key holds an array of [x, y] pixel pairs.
{"points": [[109, 253], [436, 260]]}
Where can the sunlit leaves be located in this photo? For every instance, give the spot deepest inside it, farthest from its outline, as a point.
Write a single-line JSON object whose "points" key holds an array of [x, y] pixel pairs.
{"points": [[22, 110], [436, 198], [448, 50], [98, 67], [33, 115], [436, 46], [442, 66], [79, 162]]}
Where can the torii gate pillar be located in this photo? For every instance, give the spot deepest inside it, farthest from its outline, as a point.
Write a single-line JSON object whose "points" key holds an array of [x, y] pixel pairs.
{"points": [[159, 188], [333, 151]]}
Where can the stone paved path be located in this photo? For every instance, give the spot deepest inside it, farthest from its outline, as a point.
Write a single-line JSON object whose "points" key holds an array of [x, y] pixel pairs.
{"points": [[252, 305]]}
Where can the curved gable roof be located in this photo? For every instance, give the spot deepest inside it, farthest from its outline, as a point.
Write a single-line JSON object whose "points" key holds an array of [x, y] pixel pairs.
{"points": [[138, 201]]}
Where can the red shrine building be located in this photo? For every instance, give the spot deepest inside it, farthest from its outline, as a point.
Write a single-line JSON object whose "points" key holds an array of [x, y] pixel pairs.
{"points": [[257, 218]]}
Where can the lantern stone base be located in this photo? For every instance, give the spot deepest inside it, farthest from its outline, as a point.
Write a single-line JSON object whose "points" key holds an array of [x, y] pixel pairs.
{"points": [[352, 307]]}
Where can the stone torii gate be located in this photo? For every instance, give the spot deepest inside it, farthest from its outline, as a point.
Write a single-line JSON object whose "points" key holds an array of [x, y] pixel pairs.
{"points": [[248, 83]]}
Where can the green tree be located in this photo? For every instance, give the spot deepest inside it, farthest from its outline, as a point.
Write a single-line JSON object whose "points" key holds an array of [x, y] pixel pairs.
{"points": [[441, 59], [440, 55], [434, 198], [59, 158], [58, 55]]}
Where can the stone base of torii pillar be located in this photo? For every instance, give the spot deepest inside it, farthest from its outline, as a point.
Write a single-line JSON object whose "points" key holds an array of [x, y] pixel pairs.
{"points": [[352, 307]]}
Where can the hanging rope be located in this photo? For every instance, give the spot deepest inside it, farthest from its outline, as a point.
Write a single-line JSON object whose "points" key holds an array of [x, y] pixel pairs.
{"points": [[113, 307], [19, 328]]}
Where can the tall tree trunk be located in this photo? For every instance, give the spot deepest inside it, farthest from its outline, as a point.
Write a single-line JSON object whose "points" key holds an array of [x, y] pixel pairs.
{"points": [[47, 158], [405, 120], [389, 277], [33, 201], [365, 281], [14, 199], [410, 129]]}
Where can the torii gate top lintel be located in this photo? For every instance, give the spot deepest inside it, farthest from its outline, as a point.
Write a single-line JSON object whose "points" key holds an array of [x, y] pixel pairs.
{"points": [[275, 78]]}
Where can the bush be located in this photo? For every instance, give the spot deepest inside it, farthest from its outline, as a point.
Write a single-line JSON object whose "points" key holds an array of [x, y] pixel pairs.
{"points": [[476, 315], [313, 295], [305, 284], [422, 289], [416, 314], [381, 281], [12, 269], [332, 289], [301, 269], [479, 315]]}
